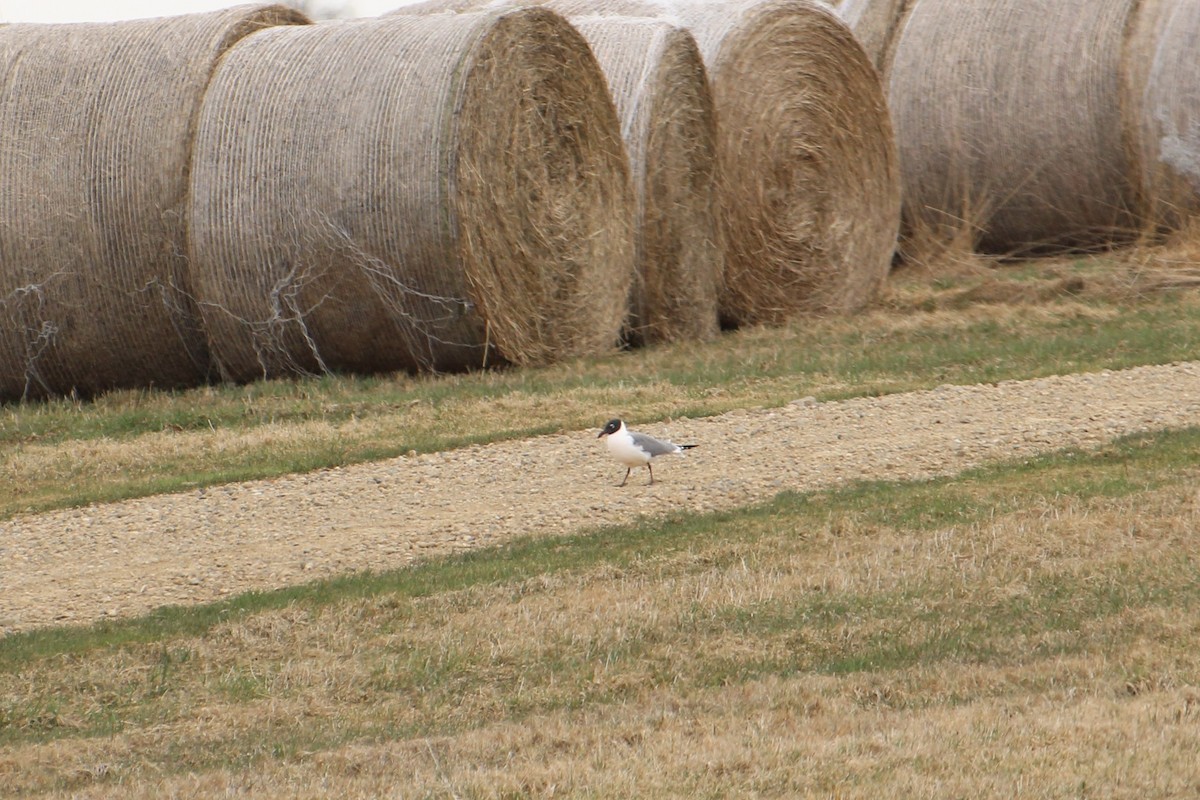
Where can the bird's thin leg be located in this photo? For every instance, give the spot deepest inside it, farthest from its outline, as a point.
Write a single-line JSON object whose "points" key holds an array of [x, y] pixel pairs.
{"points": [[651, 475], [627, 471]]}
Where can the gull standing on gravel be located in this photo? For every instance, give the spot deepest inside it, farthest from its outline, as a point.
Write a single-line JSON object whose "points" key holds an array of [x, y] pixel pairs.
{"points": [[636, 449]]}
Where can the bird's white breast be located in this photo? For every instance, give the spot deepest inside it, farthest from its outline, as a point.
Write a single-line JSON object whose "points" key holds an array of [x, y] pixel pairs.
{"points": [[622, 448]]}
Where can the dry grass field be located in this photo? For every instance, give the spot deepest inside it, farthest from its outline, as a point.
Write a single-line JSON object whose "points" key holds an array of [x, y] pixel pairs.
{"points": [[1017, 631], [1025, 629]]}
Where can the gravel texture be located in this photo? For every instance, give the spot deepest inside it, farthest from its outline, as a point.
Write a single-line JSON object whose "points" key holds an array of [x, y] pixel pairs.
{"points": [[125, 558]]}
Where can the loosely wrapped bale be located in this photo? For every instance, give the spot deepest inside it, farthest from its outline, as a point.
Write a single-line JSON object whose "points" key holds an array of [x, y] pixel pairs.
{"points": [[96, 123], [1163, 74], [1009, 121], [808, 188], [410, 193]]}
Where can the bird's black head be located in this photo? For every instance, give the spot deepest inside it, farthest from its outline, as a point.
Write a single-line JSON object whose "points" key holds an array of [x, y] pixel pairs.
{"points": [[613, 426]]}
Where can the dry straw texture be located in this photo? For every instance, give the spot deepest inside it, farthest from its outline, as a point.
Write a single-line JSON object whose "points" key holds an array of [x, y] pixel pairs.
{"points": [[808, 189], [875, 24], [1009, 121], [96, 123], [410, 193], [807, 160], [1163, 73], [660, 88]]}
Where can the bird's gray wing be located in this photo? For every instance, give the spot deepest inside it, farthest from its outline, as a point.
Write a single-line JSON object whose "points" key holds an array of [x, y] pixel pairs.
{"points": [[655, 447]]}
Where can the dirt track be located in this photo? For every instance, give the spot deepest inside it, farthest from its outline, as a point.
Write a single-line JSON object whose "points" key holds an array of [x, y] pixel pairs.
{"points": [[125, 558]]}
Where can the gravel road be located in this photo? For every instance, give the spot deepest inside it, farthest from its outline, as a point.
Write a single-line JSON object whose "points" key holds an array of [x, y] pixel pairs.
{"points": [[125, 558]]}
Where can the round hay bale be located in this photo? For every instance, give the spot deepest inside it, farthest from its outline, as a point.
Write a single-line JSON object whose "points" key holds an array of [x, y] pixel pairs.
{"points": [[1164, 92], [432, 192], [808, 189], [659, 86], [96, 124], [658, 83], [1009, 122]]}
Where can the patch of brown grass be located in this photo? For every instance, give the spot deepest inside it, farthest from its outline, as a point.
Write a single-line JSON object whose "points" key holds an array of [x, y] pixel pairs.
{"points": [[1034, 653], [772, 738], [946, 274]]}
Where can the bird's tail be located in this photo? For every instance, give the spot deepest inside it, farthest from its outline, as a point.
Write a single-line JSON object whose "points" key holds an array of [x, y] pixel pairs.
{"points": [[687, 446]]}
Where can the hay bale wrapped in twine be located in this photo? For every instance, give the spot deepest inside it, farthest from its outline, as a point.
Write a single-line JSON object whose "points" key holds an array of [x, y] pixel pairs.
{"points": [[807, 162], [808, 188], [1163, 85], [96, 123], [658, 83], [1009, 122], [410, 193]]}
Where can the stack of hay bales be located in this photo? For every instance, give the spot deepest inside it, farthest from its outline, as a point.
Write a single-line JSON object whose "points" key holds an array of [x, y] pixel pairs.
{"points": [[808, 183], [410, 193], [96, 123], [1010, 124], [1163, 86], [243, 194], [658, 83]]}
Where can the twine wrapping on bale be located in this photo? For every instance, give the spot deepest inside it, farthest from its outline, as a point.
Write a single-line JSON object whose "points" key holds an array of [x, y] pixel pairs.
{"points": [[410, 193], [808, 187], [449, 7], [1163, 75], [1009, 122], [875, 24], [96, 123]]}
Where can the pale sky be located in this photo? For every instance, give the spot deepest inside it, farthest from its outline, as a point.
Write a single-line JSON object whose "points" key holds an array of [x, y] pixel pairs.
{"points": [[101, 10]]}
